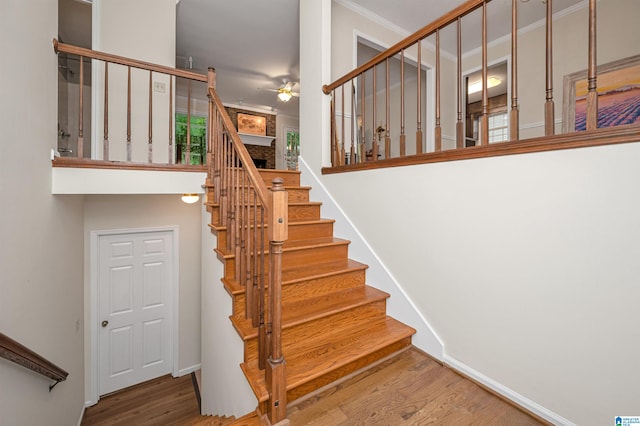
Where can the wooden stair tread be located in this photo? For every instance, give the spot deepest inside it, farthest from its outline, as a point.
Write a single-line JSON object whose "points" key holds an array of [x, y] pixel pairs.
{"points": [[250, 419], [292, 245], [315, 307], [302, 273], [297, 222], [331, 351]]}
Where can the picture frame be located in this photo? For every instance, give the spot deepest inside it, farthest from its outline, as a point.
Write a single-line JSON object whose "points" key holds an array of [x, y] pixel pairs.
{"points": [[618, 95], [252, 124]]}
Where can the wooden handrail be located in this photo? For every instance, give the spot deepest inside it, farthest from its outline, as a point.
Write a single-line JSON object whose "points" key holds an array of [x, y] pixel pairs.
{"points": [[21, 355], [121, 60], [243, 154], [444, 20]]}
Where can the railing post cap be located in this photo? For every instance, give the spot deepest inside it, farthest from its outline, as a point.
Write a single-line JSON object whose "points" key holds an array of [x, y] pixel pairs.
{"points": [[278, 184]]}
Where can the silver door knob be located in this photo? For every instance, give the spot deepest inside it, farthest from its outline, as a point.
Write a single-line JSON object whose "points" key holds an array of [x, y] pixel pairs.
{"points": [[105, 323]]}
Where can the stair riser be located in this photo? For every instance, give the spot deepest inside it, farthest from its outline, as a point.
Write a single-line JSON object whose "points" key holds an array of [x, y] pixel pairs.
{"points": [[297, 212], [293, 258], [299, 231], [311, 288], [292, 336], [290, 179], [296, 195], [306, 388]]}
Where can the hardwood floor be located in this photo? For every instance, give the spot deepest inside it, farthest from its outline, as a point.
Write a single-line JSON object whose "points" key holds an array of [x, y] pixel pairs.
{"points": [[410, 389], [162, 401]]}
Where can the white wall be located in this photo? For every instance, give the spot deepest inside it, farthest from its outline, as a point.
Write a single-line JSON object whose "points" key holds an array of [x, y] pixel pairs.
{"points": [[525, 266], [41, 302], [103, 212], [145, 32], [224, 389]]}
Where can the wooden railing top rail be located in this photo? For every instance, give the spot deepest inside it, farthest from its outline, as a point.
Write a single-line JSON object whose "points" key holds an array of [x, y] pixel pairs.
{"points": [[121, 60], [21, 355], [243, 154], [425, 31]]}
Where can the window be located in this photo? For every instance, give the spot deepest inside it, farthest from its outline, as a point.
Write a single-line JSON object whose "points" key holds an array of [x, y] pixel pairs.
{"points": [[498, 127], [198, 139]]}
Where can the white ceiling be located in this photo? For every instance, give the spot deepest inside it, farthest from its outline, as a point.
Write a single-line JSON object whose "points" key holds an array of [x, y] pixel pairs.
{"points": [[254, 44]]}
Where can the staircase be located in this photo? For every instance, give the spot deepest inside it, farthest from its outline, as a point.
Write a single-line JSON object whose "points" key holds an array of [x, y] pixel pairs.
{"points": [[333, 323]]}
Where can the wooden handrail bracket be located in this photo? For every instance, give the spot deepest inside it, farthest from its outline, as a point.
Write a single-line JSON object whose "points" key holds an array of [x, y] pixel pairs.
{"points": [[21, 355]]}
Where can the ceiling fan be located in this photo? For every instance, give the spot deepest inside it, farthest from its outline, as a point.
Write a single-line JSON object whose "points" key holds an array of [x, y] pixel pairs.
{"points": [[285, 92]]}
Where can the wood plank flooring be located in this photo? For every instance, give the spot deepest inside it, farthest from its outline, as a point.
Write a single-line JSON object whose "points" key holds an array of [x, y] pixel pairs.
{"points": [[410, 389], [162, 401]]}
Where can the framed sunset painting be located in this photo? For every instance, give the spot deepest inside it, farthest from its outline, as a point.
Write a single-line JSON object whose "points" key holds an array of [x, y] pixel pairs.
{"points": [[618, 96]]}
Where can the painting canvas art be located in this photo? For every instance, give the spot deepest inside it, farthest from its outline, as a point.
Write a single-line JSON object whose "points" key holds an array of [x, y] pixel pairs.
{"points": [[252, 124], [618, 96]]}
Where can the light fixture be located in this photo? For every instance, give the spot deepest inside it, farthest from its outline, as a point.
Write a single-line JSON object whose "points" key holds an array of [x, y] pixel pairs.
{"points": [[190, 198], [284, 95], [477, 86]]}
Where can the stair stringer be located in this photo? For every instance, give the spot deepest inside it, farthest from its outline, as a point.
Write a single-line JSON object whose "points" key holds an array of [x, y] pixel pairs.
{"points": [[399, 305], [224, 390]]}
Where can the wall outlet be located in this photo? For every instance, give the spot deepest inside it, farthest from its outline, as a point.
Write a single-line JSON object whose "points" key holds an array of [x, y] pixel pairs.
{"points": [[159, 87]]}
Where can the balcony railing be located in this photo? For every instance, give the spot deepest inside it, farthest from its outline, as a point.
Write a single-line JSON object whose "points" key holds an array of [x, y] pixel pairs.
{"points": [[391, 110], [136, 99]]}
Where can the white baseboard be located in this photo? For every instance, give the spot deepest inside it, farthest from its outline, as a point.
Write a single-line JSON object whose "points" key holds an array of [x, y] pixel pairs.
{"points": [[506, 392], [187, 370]]}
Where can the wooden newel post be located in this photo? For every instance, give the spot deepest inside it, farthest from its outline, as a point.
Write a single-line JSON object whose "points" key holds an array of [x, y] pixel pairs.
{"points": [[275, 371]]}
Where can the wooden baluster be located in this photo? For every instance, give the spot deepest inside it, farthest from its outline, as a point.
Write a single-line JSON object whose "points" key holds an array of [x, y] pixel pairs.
{"points": [[592, 95], [243, 221], [150, 153], [549, 115], [252, 232], [342, 148], [419, 101], [387, 136], [224, 179], [352, 153], [81, 115], [438, 129], [171, 118], [514, 116], [262, 327], [459, 123], [187, 155], [374, 133], [217, 147], [362, 150], [334, 136], [275, 372], [484, 118], [403, 137], [211, 85], [129, 114], [105, 139], [236, 216]]}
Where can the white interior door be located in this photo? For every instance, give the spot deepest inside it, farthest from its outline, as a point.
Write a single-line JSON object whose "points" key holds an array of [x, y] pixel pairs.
{"points": [[135, 308]]}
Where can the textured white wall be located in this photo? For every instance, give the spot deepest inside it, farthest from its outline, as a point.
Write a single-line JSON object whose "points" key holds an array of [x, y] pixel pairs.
{"points": [[41, 285]]}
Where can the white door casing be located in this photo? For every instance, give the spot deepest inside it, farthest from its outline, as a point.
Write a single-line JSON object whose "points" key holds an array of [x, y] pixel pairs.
{"points": [[134, 298]]}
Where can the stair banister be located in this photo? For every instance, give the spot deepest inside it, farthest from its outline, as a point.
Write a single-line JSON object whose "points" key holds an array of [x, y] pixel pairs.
{"points": [[107, 58], [21, 355], [246, 208]]}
